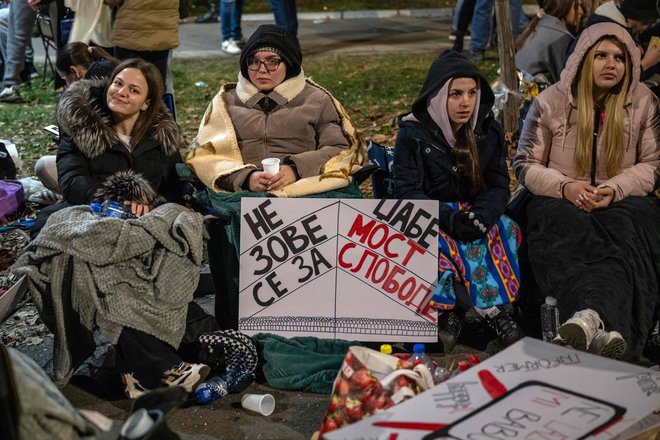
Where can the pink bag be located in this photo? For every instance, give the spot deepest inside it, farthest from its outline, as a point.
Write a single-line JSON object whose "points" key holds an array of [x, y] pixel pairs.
{"points": [[11, 196]]}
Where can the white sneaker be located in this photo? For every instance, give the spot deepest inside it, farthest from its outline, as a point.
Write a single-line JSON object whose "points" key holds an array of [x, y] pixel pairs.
{"points": [[608, 344], [133, 387], [579, 331], [230, 47], [186, 375]]}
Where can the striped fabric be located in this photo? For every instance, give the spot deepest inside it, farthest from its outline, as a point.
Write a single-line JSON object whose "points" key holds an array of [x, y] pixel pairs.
{"points": [[488, 267]]}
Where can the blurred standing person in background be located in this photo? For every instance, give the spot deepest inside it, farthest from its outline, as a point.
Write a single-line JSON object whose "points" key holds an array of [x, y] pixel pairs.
{"points": [[22, 16], [231, 12], [146, 29], [286, 15]]}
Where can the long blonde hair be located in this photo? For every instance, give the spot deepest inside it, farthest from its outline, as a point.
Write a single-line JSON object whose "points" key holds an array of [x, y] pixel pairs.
{"points": [[614, 114]]}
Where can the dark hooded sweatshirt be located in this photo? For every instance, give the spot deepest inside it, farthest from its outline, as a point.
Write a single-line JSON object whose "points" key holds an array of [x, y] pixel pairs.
{"points": [[423, 166]]}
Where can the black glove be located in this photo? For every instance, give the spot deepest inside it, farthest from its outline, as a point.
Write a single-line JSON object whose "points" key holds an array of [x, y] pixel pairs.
{"points": [[463, 227]]}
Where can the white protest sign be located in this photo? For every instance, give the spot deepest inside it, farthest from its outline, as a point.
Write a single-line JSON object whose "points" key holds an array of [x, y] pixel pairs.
{"points": [[339, 268], [635, 389], [534, 410]]}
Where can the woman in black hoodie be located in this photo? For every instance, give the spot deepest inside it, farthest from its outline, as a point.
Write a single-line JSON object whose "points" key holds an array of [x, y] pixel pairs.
{"points": [[451, 149]]}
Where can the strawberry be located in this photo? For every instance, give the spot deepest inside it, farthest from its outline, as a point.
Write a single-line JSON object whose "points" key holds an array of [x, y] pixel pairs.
{"points": [[336, 403], [329, 425], [383, 402], [353, 410], [342, 387], [368, 401], [362, 379], [377, 388]]}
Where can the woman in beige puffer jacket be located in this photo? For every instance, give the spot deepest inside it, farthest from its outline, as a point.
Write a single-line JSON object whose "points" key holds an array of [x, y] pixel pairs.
{"points": [[146, 29]]}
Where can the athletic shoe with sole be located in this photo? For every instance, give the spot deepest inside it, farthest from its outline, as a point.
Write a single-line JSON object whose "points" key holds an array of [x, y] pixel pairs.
{"points": [[10, 94], [505, 327], [230, 47], [608, 344], [579, 331], [186, 375]]}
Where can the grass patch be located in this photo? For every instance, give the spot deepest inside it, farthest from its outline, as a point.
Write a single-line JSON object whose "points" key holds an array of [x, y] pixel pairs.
{"points": [[373, 89]]}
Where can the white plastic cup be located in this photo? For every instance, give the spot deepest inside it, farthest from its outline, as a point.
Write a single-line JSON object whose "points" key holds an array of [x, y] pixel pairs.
{"points": [[137, 425], [261, 403], [271, 165]]}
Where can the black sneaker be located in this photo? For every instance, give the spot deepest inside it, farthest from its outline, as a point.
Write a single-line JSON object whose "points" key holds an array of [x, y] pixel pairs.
{"points": [[505, 327], [208, 17], [450, 323]]}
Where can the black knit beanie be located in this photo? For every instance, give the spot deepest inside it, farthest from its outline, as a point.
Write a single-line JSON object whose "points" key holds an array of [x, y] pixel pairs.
{"points": [[273, 38], [640, 9]]}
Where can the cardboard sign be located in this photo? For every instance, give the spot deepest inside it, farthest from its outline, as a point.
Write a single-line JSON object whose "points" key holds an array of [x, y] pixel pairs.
{"points": [[612, 383], [339, 268], [534, 410]]}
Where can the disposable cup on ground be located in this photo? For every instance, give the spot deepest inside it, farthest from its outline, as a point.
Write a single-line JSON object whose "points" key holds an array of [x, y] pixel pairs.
{"points": [[271, 165], [261, 403]]}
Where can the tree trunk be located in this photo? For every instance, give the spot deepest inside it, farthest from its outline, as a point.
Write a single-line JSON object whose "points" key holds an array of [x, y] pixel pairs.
{"points": [[508, 74]]}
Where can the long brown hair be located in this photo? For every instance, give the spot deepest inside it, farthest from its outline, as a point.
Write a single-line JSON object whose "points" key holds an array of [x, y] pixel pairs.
{"points": [[155, 92], [556, 8], [80, 54], [614, 114], [465, 155]]}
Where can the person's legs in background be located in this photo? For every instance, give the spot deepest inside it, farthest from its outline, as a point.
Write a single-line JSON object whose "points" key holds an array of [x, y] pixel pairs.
{"points": [[227, 25], [21, 23], [454, 18], [464, 19], [480, 28], [286, 15]]}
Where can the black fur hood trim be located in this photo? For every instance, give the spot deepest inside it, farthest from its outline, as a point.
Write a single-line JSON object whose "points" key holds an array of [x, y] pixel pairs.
{"points": [[84, 116], [131, 186]]}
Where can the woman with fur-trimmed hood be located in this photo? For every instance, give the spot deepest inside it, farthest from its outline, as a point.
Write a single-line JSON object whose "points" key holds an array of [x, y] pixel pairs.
{"points": [[588, 153], [119, 139], [274, 112]]}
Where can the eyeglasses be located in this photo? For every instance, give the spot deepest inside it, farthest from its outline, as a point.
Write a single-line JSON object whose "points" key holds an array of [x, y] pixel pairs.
{"points": [[271, 64]]}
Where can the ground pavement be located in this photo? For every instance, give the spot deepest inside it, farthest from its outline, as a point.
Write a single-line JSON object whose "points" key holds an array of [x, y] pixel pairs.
{"points": [[297, 415]]}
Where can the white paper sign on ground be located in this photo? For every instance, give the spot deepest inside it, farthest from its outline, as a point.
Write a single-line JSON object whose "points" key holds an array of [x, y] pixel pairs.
{"points": [[633, 388], [339, 268]]}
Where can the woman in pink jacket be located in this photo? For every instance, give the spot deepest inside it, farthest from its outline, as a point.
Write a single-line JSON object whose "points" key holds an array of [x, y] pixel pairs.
{"points": [[588, 153]]}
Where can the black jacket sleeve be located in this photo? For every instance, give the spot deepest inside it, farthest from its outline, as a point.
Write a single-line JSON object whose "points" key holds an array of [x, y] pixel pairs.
{"points": [[489, 205], [73, 174], [408, 173]]}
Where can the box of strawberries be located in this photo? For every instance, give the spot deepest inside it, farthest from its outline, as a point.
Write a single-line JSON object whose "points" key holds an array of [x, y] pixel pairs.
{"points": [[369, 382]]}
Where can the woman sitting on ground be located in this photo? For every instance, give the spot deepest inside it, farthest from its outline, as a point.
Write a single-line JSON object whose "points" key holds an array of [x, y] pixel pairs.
{"points": [[588, 152], [74, 61], [275, 112], [542, 47], [451, 149], [119, 142]]}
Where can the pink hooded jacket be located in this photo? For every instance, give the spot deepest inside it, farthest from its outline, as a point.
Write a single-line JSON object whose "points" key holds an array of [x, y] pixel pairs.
{"points": [[544, 160]]}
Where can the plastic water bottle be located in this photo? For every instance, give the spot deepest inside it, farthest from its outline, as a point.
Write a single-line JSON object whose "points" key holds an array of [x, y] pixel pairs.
{"points": [[219, 386], [111, 208], [440, 374], [549, 319], [419, 356]]}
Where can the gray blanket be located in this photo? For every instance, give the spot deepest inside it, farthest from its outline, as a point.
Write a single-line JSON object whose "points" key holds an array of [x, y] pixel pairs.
{"points": [[86, 271]]}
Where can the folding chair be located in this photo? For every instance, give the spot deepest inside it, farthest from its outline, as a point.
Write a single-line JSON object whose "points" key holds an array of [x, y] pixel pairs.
{"points": [[382, 181], [49, 39]]}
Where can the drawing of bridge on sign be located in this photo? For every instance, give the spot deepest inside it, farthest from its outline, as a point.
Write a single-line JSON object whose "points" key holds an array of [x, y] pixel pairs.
{"points": [[338, 268]]}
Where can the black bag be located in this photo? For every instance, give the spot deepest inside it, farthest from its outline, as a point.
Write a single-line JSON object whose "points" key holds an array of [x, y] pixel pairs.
{"points": [[7, 166]]}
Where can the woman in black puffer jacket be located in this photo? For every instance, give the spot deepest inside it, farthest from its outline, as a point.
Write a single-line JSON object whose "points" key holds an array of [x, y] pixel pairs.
{"points": [[451, 149]]}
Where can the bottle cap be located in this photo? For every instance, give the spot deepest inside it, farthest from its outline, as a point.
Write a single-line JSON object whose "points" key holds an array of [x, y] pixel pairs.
{"points": [[463, 365], [419, 348], [386, 348], [550, 301]]}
